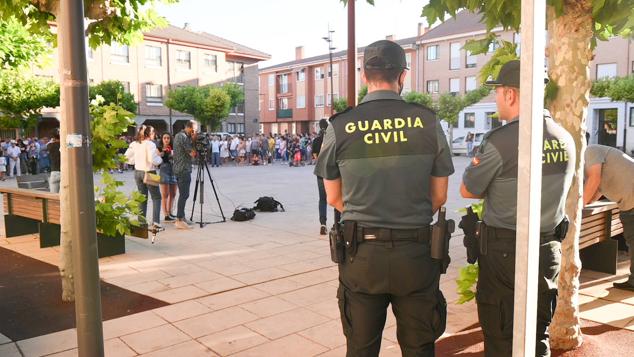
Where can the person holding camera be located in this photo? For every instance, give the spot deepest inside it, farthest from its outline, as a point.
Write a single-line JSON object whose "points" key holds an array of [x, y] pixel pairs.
{"points": [[184, 152]]}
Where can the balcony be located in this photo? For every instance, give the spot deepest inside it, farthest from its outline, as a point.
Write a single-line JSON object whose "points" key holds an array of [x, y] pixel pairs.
{"points": [[284, 89], [284, 113]]}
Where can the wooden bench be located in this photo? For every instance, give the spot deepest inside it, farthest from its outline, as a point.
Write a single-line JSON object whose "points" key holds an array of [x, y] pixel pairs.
{"points": [[34, 182], [32, 211], [599, 222]]}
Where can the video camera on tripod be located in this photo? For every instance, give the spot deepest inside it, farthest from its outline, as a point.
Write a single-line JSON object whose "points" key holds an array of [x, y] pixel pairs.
{"points": [[201, 145]]}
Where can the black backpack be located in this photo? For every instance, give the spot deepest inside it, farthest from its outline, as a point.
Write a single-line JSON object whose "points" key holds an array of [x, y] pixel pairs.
{"points": [[243, 214], [267, 204]]}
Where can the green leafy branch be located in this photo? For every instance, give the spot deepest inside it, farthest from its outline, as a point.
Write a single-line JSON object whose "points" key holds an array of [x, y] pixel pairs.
{"points": [[467, 278], [121, 21], [18, 47], [108, 123], [116, 212]]}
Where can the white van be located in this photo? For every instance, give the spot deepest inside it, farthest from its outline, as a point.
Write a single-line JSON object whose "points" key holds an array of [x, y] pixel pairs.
{"points": [[459, 145]]}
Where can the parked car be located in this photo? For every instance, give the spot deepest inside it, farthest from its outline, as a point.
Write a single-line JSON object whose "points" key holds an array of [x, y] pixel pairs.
{"points": [[459, 145], [222, 135]]}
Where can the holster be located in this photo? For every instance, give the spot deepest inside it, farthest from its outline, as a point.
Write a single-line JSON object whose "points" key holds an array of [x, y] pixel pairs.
{"points": [[469, 225], [562, 229], [350, 239], [440, 235], [337, 247], [483, 236]]}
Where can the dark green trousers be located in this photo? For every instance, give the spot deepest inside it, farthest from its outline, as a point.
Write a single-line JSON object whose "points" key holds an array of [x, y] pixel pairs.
{"points": [[495, 295], [402, 274], [627, 219]]}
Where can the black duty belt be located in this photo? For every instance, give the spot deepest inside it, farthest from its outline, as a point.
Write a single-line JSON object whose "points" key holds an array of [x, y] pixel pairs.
{"points": [[504, 233], [387, 234]]}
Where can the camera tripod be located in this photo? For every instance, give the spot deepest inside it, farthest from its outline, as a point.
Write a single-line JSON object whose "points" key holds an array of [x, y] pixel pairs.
{"points": [[200, 185]]}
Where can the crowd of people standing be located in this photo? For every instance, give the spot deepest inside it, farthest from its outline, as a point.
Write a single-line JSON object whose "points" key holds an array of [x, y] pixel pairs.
{"points": [[260, 149], [24, 156]]}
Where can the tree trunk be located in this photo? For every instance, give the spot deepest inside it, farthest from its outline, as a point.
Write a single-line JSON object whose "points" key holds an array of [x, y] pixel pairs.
{"points": [[569, 54], [66, 253]]}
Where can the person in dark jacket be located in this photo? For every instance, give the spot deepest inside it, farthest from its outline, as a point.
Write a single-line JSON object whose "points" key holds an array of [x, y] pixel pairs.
{"points": [[316, 148]]}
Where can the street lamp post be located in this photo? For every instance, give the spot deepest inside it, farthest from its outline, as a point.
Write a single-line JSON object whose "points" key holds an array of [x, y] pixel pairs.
{"points": [[352, 56], [75, 127], [332, 87]]}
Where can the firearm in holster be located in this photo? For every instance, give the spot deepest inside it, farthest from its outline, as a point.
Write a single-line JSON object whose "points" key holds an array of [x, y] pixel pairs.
{"points": [[337, 247], [469, 225], [562, 229], [440, 235]]}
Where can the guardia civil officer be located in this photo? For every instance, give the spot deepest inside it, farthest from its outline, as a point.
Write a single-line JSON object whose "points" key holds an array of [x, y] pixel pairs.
{"points": [[385, 166], [492, 175]]}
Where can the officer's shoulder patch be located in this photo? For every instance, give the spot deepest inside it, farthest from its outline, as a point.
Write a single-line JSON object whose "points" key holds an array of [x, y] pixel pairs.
{"points": [[338, 114]]}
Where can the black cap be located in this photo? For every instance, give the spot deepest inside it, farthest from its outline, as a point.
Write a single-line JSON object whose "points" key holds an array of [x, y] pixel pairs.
{"points": [[509, 75], [323, 124], [384, 54]]}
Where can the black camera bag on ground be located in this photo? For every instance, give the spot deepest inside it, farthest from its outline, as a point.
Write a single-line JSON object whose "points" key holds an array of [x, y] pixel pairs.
{"points": [[268, 204], [243, 214]]}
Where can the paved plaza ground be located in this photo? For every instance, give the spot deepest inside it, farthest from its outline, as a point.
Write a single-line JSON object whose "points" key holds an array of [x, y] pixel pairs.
{"points": [[265, 287]]}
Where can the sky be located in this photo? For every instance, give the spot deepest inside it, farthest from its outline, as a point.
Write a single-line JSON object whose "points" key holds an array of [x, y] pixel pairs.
{"points": [[276, 27]]}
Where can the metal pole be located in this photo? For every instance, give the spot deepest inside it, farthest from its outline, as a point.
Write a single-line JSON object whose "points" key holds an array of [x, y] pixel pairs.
{"points": [[169, 82], [352, 56], [74, 91], [332, 86], [244, 103], [529, 176], [332, 75]]}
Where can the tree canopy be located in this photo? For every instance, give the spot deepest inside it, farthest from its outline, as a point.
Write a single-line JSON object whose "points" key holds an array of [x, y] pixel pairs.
{"points": [[449, 105], [22, 98], [113, 92], [340, 104], [419, 98], [18, 47], [209, 105], [619, 89], [611, 17], [109, 21], [235, 92]]}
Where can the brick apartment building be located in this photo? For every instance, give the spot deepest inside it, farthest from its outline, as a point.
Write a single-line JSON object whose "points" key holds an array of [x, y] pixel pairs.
{"points": [[168, 58], [295, 95]]}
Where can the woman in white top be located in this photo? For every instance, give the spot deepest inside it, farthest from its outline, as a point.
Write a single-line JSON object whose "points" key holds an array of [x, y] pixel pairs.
{"points": [[224, 150], [145, 157]]}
